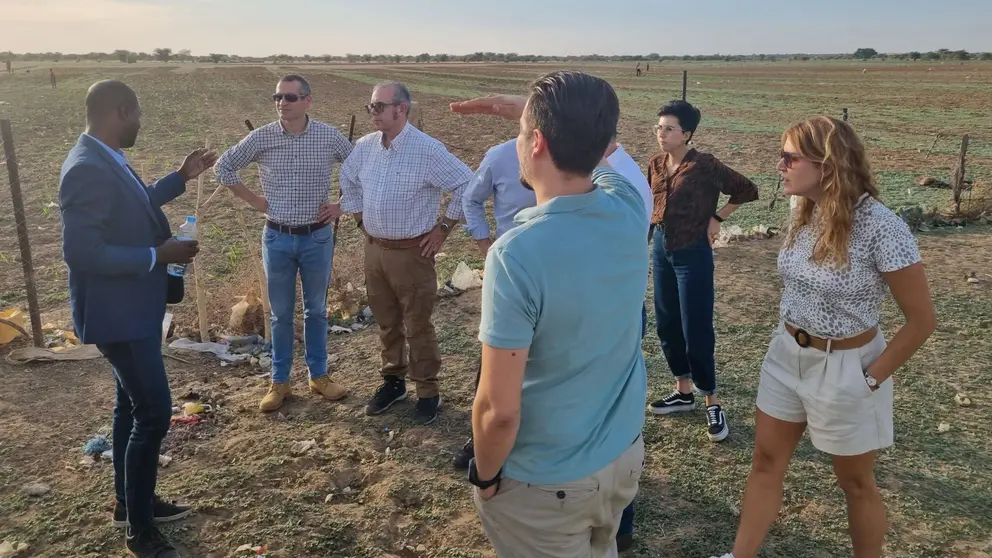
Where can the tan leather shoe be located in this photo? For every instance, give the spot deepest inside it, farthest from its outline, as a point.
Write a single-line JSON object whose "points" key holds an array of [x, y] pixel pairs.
{"points": [[330, 390], [273, 400]]}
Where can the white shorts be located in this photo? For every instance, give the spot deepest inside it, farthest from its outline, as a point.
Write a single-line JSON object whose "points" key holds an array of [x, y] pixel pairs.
{"points": [[828, 392]]}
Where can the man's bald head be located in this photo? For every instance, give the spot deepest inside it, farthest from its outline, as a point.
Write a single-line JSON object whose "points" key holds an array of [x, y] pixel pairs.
{"points": [[112, 110], [107, 97]]}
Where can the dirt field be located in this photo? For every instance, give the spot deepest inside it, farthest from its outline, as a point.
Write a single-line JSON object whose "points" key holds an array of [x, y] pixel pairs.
{"points": [[351, 497]]}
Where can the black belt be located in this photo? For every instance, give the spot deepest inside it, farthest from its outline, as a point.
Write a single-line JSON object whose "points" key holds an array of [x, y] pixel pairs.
{"points": [[298, 230]]}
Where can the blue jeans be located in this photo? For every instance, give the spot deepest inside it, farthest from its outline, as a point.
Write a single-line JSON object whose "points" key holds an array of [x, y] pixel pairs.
{"points": [[142, 416], [683, 306], [284, 256]]}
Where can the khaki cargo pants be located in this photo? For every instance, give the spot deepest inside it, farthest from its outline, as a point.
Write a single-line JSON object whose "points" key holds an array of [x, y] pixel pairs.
{"points": [[402, 290], [578, 519]]}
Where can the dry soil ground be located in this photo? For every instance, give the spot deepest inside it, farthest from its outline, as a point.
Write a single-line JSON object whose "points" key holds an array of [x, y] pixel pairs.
{"points": [[238, 467]]}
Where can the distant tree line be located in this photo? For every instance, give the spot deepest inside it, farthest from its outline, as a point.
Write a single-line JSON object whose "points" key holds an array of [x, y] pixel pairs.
{"points": [[184, 55]]}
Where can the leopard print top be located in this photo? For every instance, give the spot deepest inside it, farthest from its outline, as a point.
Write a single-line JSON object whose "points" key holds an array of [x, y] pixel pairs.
{"points": [[838, 302]]}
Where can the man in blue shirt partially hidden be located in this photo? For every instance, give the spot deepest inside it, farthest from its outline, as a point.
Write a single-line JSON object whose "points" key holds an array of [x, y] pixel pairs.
{"points": [[559, 409]]}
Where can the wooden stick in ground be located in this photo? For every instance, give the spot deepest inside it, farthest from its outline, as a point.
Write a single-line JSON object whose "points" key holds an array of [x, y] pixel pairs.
{"points": [[771, 204], [201, 292], [932, 145], [957, 181], [263, 285], [20, 221], [337, 222]]}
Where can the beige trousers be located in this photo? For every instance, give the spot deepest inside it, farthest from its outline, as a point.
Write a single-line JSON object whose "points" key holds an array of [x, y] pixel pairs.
{"points": [[578, 519]]}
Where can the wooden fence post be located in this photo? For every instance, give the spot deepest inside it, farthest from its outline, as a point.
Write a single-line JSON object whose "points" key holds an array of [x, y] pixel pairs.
{"points": [[20, 221], [201, 290], [685, 79], [957, 181]]}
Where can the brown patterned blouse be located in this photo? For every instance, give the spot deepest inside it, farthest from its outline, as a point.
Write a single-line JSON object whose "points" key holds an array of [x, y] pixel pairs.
{"points": [[687, 200]]}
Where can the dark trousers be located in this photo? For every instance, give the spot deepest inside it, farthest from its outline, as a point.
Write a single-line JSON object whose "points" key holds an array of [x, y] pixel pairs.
{"points": [[627, 519], [141, 420], [683, 306]]}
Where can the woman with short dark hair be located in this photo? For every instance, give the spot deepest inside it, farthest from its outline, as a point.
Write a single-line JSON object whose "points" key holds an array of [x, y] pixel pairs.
{"points": [[687, 185]]}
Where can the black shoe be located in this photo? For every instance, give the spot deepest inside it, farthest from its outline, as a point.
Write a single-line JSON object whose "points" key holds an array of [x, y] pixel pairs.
{"points": [[625, 542], [392, 391], [150, 543], [675, 402], [162, 512], [427, 408], [717, 421], [465, 455]]}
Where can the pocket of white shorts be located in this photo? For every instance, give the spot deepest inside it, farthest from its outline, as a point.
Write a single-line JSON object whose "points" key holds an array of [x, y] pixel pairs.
{"points": [[855, 368]]}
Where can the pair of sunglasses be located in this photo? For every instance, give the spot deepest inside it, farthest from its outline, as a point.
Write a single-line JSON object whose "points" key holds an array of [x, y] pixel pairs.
{"points": [[377, 108], [788, 158], [290, 97]]}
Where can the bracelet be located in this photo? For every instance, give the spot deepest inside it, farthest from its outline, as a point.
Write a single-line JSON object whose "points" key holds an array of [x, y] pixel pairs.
{"points": [[718, 218]]}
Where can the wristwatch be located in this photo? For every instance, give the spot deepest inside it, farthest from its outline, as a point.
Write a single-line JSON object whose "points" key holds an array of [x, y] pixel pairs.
{"points": [[473, 476], [444, 227], [871, 381], [718, 218]]}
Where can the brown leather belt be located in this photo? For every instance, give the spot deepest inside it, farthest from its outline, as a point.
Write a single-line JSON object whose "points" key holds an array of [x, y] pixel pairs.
{"points": [[401, 244], [804, 339]]}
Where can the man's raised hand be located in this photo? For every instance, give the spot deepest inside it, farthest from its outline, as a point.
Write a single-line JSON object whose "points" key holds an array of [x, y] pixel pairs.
{"points": [[510, 107]]}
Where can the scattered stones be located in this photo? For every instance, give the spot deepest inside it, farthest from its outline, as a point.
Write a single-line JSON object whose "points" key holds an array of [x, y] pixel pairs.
{"points": [[303, 446], [465, 278], [347, 491], [421, 548], [962, 400], [36, 489], [264, 362], [10, 549], [328, 498], [943, 427]]}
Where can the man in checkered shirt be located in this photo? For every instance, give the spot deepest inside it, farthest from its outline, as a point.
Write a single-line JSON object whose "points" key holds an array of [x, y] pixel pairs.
{"points": [[393, 183], [295, 155]]}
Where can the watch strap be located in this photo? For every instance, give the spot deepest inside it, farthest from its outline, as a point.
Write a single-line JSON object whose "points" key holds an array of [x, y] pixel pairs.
{"points": [[473, 477]]}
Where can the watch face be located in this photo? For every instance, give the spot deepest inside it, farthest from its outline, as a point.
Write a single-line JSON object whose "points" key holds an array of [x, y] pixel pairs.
{"points": [[871, 380]]}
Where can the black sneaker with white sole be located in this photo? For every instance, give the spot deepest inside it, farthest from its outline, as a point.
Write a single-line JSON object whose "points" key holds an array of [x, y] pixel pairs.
{"points": [[426, 411], [717, 423], [675, 402], [163, 511], [150, 543], [391, 392]]}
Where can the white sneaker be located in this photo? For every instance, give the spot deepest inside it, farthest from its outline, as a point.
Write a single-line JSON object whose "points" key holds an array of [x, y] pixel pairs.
{"points": [[724, 556]]}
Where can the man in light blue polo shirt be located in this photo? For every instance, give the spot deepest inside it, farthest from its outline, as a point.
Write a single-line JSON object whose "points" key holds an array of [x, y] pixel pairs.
{"points": [[558, 412]]}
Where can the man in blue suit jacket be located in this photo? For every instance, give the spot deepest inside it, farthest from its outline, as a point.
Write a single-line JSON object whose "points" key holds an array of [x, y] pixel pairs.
{"points": [[117, 242]]}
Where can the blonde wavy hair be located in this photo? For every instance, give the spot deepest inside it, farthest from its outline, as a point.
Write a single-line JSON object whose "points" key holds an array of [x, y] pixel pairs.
{"points": [[835, 148]]}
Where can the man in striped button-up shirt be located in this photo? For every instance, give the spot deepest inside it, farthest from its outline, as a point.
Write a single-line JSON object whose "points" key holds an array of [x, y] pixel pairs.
{"points": [[393, 183], [295, 155]]}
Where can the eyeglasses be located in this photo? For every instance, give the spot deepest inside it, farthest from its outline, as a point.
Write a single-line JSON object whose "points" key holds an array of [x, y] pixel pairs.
{"points": [[665, 129], [788, 158], [290, 97], [377, 108]]}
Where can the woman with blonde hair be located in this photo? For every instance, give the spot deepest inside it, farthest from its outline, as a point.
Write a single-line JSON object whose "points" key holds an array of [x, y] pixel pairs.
{"points": [[828, 368]]}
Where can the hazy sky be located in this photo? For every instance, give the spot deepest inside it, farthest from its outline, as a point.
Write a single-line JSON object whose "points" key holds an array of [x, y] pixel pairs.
{"points": [[263, 27]]}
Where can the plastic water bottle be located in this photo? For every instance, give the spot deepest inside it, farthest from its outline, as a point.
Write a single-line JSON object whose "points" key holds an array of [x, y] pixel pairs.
{"points": [[187, 231]]}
